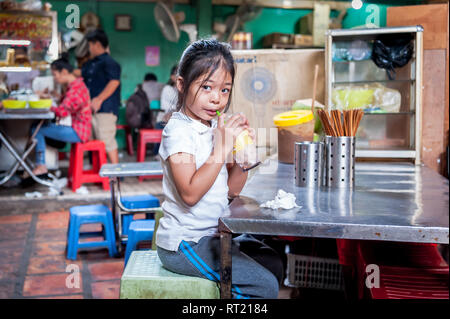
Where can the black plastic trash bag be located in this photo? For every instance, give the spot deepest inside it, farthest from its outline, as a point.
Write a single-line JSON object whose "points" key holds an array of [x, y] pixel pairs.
{"points": [[392, 51]]}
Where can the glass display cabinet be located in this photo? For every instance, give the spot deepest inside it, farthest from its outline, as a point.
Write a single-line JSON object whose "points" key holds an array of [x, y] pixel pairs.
{"points": [[33, 34], [28, 44], [391, 126]]}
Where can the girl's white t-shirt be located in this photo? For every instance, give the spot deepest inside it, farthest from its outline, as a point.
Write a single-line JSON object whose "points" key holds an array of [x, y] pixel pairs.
{"points": [[180, 221]]}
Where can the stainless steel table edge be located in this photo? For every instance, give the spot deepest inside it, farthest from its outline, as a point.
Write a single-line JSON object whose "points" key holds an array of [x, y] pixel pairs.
{"points": [[436, 235], [138, 169]]}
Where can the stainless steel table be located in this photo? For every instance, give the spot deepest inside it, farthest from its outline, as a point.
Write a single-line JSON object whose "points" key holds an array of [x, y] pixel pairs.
{"points": [[22, 157], [115, 172], [390, 201]]}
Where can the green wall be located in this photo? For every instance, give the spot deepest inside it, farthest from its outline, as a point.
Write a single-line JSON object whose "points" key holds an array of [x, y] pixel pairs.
{"points": [[128, 48]]}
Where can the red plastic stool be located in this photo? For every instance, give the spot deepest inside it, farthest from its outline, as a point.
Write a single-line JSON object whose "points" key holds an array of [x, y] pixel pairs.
{"points": [[78, 176], [147, 136], [407, 270], [129, 137]]}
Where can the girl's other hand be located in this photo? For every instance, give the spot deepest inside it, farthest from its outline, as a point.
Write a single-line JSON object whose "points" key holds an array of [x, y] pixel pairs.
{"points": [[227, 131], [252, 133]]}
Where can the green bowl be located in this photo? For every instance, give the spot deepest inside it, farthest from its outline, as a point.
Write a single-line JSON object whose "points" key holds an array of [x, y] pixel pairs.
{"points": [[41, 104], [14, 104]]}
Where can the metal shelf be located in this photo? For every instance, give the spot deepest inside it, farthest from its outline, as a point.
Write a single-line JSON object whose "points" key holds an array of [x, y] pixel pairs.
{"points": [[390, 113], [410, 86], [373, 81], [400, 153]]}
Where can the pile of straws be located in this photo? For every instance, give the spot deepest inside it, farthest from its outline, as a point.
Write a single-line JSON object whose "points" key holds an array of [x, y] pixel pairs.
{"points": [[334, 126]]}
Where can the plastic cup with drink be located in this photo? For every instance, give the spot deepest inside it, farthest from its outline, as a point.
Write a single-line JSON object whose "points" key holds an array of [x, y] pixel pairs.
{"points": [[244, 150]]}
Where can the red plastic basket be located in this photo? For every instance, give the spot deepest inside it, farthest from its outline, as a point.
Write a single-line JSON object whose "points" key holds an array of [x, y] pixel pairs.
{"points": [[407, 271]]}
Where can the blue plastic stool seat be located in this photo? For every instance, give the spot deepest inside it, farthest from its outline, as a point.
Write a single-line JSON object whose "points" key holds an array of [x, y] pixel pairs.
{"points": [[137, 201], [139, 230], [90, 214]]}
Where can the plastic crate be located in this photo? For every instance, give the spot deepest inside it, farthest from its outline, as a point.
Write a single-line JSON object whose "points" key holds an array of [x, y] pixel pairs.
{"points": [[314, 272]]}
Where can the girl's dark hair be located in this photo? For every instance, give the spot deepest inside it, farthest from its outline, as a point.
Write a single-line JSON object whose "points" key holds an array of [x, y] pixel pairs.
{"points": [[204, 57], [62, 63], [173, 71]]}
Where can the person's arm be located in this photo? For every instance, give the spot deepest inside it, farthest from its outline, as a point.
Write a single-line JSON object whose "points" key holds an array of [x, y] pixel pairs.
{"points": [[193, 184], [66, 106], [236, 179], [109, 89]]}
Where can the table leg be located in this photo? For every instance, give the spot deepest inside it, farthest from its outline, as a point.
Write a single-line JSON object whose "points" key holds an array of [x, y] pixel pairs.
{"points": [[22, 160], [14, 168], [225, 265], [114, 211]]}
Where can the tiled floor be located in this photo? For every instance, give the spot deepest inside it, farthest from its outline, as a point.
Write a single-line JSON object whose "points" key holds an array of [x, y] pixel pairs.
{"points": [[33, 261], [33, 234]]}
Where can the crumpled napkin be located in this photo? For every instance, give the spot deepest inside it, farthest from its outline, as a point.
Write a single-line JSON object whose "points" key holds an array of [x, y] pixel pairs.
{"points": [[33, 195], [82, 190], [283, 200]]}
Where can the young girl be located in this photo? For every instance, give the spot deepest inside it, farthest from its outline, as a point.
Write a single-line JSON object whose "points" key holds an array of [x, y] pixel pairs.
{"points": [[198, 181], [75, 102]]}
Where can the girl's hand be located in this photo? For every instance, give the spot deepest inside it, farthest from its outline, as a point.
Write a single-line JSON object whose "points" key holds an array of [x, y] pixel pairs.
{"points": [[252, 133], [227, 131]]}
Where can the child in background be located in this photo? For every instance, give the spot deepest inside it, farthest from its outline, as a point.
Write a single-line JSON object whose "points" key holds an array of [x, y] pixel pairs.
{"points": [[198, 180]]}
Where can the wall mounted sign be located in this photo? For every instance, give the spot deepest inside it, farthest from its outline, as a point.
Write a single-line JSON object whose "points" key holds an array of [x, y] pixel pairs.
{"points": [[123, 22], [152, 56]]}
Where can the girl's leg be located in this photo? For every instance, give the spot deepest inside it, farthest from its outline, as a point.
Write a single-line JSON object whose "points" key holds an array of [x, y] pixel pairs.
{"points": [[202, 259], [57, 132], [263, 254]]}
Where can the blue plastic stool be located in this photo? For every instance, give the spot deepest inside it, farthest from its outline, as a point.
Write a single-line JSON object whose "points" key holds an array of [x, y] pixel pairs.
{"points": [[139, 230], [137, 201], [90, 214]]}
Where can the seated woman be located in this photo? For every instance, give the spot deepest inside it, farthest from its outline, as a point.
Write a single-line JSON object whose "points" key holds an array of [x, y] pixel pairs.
{"points": [[76, 103]]}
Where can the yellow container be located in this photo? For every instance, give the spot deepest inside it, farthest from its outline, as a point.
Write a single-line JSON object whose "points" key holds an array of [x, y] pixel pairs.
{"points": [[14, 104], [293, 126], [41, 104]]}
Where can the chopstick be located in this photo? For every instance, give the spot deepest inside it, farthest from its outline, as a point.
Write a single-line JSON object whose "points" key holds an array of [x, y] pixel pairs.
{"points": [[339, 123], [316, 73]]}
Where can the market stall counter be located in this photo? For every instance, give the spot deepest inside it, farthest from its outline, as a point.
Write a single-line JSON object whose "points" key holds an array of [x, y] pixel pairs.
{"points": [[398, 202]]}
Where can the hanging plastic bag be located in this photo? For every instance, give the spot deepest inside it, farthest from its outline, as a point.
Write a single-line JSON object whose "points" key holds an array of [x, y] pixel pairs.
{"points": [[392, 51]]}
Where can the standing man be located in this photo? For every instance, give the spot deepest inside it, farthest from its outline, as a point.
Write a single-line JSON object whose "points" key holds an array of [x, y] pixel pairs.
{"points": [[102, 77]]}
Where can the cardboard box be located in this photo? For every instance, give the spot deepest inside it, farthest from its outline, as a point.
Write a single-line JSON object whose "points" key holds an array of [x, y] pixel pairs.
{"points": [[303, 39], [277, 38], [269, 81]]}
